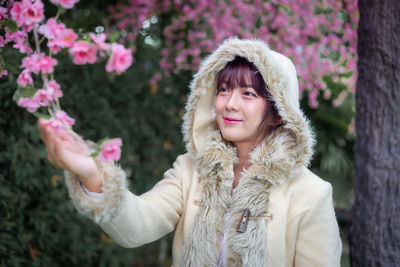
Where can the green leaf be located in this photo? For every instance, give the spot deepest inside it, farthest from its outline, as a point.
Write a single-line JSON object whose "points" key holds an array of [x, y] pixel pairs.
{"points": [[101, 141], [347, 74], [24, 91], [258, 22], [113, 37], [11, 67], [42, 116], [95, 153], [17, 95], [12, 25]]}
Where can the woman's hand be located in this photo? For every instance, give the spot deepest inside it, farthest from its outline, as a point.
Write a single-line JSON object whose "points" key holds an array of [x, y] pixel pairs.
{"points": [[72, 154]]}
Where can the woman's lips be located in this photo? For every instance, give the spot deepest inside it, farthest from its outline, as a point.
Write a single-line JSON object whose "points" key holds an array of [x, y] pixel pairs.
{"points": [[228, 120]]}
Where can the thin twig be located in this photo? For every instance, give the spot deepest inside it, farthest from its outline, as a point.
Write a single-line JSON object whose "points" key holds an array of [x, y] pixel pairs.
{"points": [[35, 34]]}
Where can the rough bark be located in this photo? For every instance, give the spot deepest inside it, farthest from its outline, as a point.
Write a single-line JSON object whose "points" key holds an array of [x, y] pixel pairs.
{"points": [[375, 230]]}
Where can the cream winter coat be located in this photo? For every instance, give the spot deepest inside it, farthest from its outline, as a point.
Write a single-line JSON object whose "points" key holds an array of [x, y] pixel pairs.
{"points": [[292, 220]]}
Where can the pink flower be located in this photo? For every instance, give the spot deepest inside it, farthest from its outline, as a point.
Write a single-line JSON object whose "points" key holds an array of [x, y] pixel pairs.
{"points": [[47, 64], [23, 48], [30, 104], [55, 124], [99, 40], [51, 29], [83, 53], [3, 72], [66, 38], [64, 118], [153, 81], [60, 121], [32, 63], [58, 34], [41, 97], [111, 150], [18, 36], [27, 12], [38, 62], [3, 13], [120, 60], [51, 93], [24, 78], [54, 91], [54, 46], [312, 99], [65, 3], [16, 13]]}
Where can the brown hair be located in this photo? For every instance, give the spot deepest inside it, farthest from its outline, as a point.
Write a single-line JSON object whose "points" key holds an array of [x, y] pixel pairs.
{"points": [[235, 74]]}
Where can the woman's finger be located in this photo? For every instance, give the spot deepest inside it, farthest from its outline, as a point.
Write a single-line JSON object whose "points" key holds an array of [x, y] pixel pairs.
{"points": [[48, 141], [56, 152]]}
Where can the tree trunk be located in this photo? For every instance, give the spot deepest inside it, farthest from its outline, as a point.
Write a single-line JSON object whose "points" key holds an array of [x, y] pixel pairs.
{"points": [[375, 230]]}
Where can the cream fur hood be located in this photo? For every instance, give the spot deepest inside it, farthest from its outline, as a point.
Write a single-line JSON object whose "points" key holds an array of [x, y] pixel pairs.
{"points": [[292, 220], [280, 75]]}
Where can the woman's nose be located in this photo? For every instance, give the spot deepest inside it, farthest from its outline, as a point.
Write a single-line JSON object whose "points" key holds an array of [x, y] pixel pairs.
{"points": [[232, 101]]}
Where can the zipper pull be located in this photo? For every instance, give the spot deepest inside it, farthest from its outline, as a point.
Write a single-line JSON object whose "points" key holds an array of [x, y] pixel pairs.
{"points": [[243, 222]]}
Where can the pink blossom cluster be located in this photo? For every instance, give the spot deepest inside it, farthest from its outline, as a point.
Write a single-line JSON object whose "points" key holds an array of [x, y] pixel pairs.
{"points": [[120, 59], [27, 13], [42, 97], [130, 15], [320, 36], [60, 120], [58, 35], [29, 18], [19, 38], [38, 62], [110, 150]]}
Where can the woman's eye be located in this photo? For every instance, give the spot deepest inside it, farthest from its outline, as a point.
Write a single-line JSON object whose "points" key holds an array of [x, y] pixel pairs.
{"points": [[248, 93], [222, 90]]}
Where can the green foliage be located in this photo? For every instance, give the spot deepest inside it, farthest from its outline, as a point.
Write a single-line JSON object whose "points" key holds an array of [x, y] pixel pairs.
{"points": [[39, 226], [24, 91], [333, 158], [10, 24]]}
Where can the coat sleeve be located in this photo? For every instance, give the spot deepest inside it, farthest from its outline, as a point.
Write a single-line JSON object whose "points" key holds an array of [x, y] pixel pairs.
{"points": [[129, 219], [318, 242]]}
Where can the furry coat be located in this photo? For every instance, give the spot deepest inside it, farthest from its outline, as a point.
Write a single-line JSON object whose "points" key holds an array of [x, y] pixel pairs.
{"points": [[291, 221]]}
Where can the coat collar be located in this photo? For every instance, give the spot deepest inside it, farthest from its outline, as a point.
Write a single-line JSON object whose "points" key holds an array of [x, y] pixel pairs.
{"points": [[273, 162]]}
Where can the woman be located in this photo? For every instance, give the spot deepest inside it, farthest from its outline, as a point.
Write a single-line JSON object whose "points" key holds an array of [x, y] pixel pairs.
{"points": [[242, 194]]}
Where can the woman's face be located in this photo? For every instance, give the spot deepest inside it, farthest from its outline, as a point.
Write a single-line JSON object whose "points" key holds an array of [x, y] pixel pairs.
{"points": [[239, 112]]}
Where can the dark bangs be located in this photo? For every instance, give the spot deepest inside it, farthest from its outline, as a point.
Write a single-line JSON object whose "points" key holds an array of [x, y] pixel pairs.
{"points": [[242, 73]]}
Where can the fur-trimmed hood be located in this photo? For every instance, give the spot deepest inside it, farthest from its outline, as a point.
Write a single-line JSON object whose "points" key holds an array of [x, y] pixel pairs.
{"points": [[280, 75], [276, 159]]}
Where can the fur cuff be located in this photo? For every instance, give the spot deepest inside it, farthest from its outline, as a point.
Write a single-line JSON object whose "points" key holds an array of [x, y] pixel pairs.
{"points": [[110, 203]]}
